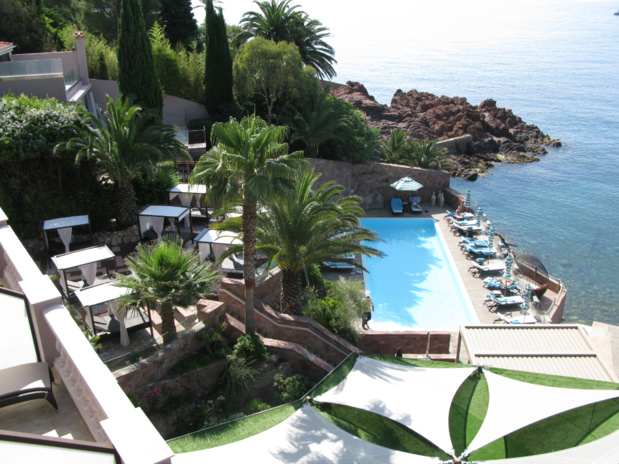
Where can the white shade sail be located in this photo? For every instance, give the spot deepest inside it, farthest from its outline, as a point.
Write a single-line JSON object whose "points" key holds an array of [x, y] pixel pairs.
{"points": [[305, 437], [417, 397], [513, 405]]}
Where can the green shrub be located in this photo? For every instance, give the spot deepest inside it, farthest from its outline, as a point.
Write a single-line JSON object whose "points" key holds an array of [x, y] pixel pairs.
{"points": [[290, 388], [237, 380], [250, 348], [256, 405], [155, 190]]}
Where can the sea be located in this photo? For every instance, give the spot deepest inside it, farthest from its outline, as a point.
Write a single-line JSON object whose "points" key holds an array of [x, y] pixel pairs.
{"points": [[556, 65]]}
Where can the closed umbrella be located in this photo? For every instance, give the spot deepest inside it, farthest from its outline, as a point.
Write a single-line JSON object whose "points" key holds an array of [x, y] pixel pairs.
{"points": [[507, 273], [526, 296], [491, 234], [479, 215], [467, 199], [406, 184]]}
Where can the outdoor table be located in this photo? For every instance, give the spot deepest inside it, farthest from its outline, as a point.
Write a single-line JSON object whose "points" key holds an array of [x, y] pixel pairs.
{"points": [[155, 215], [64, 226], [86, 260]]}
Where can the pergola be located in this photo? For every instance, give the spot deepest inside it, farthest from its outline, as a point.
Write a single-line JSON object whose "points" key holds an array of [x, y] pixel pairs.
{"points": [[153, 218], [65, 226]]}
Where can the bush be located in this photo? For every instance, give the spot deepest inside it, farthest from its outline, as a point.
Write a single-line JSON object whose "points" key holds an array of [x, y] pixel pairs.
{"points": [[155, 191], [290, 388], [256, 405], [238, 379], [250, 348]]}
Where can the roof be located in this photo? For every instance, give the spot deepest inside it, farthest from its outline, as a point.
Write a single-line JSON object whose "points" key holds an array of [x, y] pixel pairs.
{"points": [[6, 47], [559, 349]]}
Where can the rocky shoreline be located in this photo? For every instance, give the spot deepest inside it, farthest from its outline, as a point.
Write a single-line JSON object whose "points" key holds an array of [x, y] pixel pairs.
{"points": [[498, 135]]}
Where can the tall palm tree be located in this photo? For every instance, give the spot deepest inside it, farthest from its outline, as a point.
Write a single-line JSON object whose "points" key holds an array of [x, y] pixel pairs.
{"points": [[163, 274], [317, 121], [278, 21], [396, 148], [249, 163], [309, 227], [125, 143]]}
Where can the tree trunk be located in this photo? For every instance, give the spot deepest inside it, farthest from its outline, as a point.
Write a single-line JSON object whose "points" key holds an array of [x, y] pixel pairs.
{"points": [[126, 210], [291, 302], [250, 224], [166, 310]]}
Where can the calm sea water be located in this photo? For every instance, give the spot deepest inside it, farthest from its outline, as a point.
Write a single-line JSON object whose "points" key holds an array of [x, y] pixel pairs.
{"points": [[415, 286], [555, 64]]}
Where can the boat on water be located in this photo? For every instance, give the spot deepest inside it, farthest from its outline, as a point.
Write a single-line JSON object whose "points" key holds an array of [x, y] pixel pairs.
{"points": [[616, 13]]}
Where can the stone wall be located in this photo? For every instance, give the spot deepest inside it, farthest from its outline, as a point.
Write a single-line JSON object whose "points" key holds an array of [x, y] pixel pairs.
{"points": [[456, 145], [109, 238], [371, 181]]}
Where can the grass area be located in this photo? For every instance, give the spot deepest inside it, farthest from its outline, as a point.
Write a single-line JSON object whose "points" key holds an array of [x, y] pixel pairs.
{"points": [[233, 431], [378, 430], [334, 377], [468, 411]]}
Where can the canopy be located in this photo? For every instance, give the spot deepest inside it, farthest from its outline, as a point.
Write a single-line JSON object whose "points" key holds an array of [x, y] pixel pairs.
{"points": [[417, 397], [64, 226], [80, 257], [153, 217], [406, 184], [513, 405], [98, 294], [187, 189], [219, 236], [305, 437]]}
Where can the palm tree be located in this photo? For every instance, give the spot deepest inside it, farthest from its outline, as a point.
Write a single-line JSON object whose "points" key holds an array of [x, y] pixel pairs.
{"points": [[249, 163], [163, 274], [125, 143], [309, 227], [278, 21], [317, 121], [425, 154], [396, 148]]}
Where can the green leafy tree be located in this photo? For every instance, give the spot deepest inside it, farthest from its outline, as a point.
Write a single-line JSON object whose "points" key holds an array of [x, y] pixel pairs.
{"points": [[218, 62], [179, 23], [23, 23], [425, 154], [163, 275], [308, 227], [249, 162], [270, 72], [100, 17], [100, 56], [136, 68], [125, 144], [33, 178], [165, 59], [396, 147], [280, 22], [319, 119]]}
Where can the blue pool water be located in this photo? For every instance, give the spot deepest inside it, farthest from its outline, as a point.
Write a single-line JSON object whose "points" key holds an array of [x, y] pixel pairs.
{"points": [[415, 286]]}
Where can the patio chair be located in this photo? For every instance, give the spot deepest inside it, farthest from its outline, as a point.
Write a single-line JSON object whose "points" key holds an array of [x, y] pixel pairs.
{"points": [[474, 252], [507, 318], [415, 205], [494, 284], [478, 269], [465, 230], [464, 241], [397, 207], [493, 302], [26, 382]]}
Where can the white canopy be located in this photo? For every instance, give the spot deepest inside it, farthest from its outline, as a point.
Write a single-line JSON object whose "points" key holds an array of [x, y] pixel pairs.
{"points": [[417, 397], [81, 257], [305, 437], [176, 212], [513, 405], [224, 237], [186, 189], [98, 294], [71, 221]]}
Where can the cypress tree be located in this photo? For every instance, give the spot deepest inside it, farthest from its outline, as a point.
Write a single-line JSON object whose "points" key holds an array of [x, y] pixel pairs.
{"points": [[218, 62], [177, 18], [136, 67]]}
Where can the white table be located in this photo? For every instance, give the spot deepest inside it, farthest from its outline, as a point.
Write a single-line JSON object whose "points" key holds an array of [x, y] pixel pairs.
{"points": [[65, 223], [79, 258]]}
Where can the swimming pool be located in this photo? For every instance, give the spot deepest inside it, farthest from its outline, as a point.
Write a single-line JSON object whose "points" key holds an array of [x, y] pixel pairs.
{"points": [[416, 286]]}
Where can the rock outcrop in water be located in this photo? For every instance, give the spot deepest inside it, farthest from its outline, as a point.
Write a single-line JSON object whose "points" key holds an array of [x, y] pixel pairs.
{"points": [[497, 133]]}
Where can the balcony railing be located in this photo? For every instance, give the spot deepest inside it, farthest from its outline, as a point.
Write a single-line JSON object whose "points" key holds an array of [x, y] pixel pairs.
{"points": [[31, 68], [71, 78]]}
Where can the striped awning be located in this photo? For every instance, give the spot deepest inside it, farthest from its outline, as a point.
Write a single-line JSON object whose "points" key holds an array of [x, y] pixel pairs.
{"points": [[406, 184]]}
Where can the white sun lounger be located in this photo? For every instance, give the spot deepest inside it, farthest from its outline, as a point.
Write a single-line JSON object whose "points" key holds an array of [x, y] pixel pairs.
{"points": [[493, 302], [521, 319], [493, 266]]}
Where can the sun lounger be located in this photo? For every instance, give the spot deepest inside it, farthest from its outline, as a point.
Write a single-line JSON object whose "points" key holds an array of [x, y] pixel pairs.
{"points": [[473, 242], [493, 302], [415, 206], [521, 319], [474, 252], [25, 382], [494, 284], [397, 207], [461, 217], [495, 266], [465, 230]]}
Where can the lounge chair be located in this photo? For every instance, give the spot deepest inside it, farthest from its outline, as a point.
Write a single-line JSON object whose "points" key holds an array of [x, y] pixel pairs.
{"points": [[493, 302], [509, 319], [415, 205], [26, 382], [397, 207], [458, 217], [494, 284], [495, 266], [474, 252], [466, 230], [473, 242]]}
